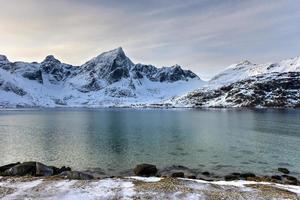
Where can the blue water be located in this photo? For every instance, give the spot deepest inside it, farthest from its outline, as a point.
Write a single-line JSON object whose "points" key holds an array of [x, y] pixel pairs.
{"points": [[222, 141]]}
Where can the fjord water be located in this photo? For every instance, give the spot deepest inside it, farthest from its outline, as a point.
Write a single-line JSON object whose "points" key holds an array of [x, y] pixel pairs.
{"points": [[222, 141]]}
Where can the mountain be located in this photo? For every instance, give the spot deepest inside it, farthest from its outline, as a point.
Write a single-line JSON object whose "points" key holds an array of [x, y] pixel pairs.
{"points": [[110, 79], [249, 85]]}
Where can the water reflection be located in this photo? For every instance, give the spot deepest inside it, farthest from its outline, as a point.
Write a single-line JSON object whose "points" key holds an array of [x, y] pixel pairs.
{"points": [[119, 138]]}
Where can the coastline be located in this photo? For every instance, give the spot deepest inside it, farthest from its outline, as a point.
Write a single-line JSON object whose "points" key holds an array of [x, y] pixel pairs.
{"points": [[141, 188]]}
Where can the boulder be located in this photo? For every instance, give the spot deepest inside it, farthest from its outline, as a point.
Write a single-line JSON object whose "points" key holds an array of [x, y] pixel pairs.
{"points": [[276, 177], [283, 170], [77, 175], [205, 173], [29, 168], [178, 175], [247, 175], [57, 170], [231, 177], [43, 170], [23, 169], [6, 167], [145, 170], [192, 177], [290, 180], [63, 169]]}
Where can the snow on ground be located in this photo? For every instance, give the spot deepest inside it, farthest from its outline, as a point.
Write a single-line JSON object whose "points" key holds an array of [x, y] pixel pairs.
{"points": [[142, 188]]}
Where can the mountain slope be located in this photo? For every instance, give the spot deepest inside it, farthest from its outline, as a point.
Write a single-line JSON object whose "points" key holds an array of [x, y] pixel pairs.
{"points": [[249, 85], [110, 79]]}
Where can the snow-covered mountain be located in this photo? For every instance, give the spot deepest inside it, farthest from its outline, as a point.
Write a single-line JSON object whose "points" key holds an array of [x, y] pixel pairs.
{"points": [[246, 69], [249, 85], [110, 79]]}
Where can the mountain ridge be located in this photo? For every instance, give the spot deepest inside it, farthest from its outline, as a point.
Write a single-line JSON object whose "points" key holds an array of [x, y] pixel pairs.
{"points": [[108, 79], [249, 85]]}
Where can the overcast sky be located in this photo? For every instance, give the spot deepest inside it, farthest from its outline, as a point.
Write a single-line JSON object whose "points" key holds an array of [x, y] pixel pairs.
{"points": [[202, 35]]}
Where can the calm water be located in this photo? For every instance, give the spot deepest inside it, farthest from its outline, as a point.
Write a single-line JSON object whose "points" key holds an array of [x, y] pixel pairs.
{"points": [[116, 139]]}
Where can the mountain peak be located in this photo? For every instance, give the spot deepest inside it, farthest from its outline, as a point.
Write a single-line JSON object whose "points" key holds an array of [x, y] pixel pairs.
{"points": [[244, 62], [3, 59], [113, 57], [118, 52], [50, 58]]}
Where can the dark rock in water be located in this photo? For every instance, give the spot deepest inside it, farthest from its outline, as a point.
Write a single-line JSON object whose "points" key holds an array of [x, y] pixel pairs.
{"points": [[276, 177], [178, 174], [76, 175], [145, 170], [205, 173], [31, 168], [290, 180], [231, 177], [64, 168], [283, 170], [23, 169], [236, 174], [6, 167], [57, 170], [43, 170], [247, 175], [192, 177]]}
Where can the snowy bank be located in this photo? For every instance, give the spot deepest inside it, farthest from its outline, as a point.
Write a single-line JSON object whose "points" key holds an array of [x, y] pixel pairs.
{"points": [[142, 188]]}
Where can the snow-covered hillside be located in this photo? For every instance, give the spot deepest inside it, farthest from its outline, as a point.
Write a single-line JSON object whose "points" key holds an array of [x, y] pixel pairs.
{"points": [[246, 69], [249, 85], [110, 79]]}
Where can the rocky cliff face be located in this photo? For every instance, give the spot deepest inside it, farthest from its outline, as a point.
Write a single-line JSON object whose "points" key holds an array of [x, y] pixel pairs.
{"points": [[108, 79], [249, 85]]}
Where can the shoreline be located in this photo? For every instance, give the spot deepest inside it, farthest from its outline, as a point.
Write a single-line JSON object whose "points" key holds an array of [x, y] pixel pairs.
{"points": [[141, 188], [34, 180], [37, 169]]}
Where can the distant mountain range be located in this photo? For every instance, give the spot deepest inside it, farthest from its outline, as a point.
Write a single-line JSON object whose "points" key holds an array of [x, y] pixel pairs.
{"points": [[112, 79]]}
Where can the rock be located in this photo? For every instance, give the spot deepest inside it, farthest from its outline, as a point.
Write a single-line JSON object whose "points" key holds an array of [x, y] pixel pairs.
{"points": [[205, 173], [76, 175], [26, 168], [290, 180], [231, 177], [43, 170], [192, 177], [178, 175], [247, 175], [283, 170], [64, 168], [145, 170], [6, 167], [57, 170], [276, 177]]}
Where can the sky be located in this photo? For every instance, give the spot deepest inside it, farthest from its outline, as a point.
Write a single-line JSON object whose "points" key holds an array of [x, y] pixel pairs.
{"points": [[202, 35]]}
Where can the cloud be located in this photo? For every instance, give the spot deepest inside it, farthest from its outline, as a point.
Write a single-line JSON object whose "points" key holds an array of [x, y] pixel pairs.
{"points": [[203, 35]]}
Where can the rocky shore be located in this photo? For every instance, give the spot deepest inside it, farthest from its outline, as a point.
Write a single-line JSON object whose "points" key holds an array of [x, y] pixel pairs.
{"points": [[37, 169], [35, 180]]}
